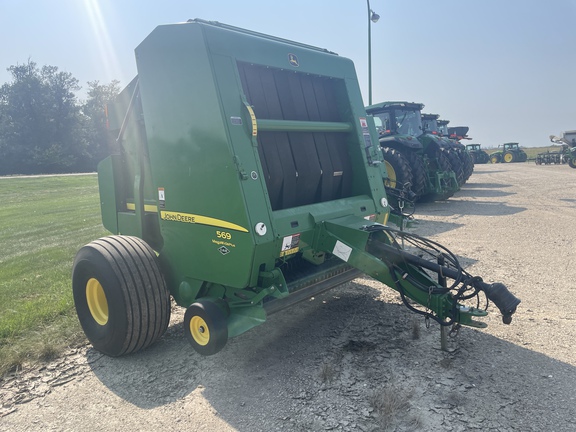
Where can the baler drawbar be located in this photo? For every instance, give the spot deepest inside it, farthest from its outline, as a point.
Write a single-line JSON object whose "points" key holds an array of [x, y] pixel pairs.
{"points": [[246, 176]]}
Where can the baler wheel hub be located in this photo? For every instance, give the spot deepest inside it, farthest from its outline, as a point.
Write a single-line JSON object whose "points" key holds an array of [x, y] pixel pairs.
{"points": [[206, 326], [199, 330], [97, 302]]}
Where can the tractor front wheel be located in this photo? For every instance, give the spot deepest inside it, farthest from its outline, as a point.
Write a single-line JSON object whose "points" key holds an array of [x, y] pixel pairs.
{"points": [[120, 295], [495, 158], [206, 327], [572, 162]]}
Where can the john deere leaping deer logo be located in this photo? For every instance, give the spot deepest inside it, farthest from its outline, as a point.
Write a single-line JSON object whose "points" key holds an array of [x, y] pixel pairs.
{"points": [[293, 60]]}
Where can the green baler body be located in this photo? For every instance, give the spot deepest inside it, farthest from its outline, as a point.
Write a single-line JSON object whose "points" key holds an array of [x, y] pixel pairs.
{"points": [[248, 163], [234, 149]]}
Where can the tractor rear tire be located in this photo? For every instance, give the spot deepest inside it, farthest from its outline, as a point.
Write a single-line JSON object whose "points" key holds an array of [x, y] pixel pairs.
{"points": [[120, 295], [397, 167], [456, 165], [206, 326], [509, 157], [468, 164], [418, 173]]}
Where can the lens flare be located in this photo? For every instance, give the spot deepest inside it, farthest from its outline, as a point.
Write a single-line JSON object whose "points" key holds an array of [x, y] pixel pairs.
{"points": [[107, 54]]}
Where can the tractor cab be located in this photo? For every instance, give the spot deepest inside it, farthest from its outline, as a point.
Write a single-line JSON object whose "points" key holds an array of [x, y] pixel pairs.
{"points": [[397, 118], [443, 127], [511, 146], [430, 124]]}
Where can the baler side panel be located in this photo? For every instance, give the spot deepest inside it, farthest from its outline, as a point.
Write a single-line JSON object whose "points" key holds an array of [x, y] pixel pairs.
{"points": [[192, 162], [130, 170]]}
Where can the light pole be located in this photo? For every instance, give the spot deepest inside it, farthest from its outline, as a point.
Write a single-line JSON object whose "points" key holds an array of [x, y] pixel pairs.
{"points": [[373, 17]]}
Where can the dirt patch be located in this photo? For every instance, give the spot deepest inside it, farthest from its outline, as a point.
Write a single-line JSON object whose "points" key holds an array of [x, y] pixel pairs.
{"points": [[356, 358]]}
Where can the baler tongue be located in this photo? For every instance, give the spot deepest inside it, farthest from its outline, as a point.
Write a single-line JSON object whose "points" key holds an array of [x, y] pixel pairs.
{"points": [[375, 250]]}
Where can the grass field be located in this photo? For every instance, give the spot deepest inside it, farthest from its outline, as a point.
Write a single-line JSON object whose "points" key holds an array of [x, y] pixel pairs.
{"points": [[43, 222]]}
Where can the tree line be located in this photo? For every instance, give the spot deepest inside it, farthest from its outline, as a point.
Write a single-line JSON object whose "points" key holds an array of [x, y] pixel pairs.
{"points": [[45, 128]]}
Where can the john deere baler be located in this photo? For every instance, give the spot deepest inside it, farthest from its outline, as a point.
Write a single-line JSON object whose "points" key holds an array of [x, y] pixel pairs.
{"points": [[245, 177]]}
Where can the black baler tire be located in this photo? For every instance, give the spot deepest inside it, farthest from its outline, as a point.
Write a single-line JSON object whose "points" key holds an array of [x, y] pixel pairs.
{"points": [[137, 299], [215, 319]]}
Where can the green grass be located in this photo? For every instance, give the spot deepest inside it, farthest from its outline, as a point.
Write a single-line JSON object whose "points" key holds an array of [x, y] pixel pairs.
{"points": [[43, 222]]}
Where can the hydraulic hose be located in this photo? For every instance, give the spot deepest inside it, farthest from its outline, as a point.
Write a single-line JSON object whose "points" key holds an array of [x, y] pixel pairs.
{"points": [[498, 293]]}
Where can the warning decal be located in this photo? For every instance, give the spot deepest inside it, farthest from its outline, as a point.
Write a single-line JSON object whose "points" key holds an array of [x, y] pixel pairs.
{"points": [[290, 245], [161, 198]]}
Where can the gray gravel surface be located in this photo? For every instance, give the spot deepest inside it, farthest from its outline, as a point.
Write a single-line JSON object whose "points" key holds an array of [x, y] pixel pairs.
{"points": [[355, 359]]}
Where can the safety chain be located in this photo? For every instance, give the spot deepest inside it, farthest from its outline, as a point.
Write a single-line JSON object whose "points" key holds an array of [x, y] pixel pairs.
{"points": [[455, 330]]}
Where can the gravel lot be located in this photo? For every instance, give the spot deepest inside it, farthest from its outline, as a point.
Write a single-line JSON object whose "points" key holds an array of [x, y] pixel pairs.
{"points": [[350, 360]]}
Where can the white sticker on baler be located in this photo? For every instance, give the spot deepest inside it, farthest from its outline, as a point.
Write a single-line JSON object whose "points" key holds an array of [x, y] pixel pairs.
{"points": [[342, 251]]}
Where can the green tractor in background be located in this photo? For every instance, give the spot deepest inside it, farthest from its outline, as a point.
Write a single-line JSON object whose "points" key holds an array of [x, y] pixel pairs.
{"points": [[455, 151], [478, 155], [511, 152], [457, 134], [430, 126], [412, 156]]}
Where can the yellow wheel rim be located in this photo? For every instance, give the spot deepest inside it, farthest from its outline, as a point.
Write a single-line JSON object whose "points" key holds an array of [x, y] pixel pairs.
{"points": [[199, 330], [508, 157], [391, 180], [97, 302]]}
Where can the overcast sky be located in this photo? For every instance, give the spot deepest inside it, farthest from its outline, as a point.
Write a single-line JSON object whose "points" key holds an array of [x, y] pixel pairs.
{"points": [[505, 68]]}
